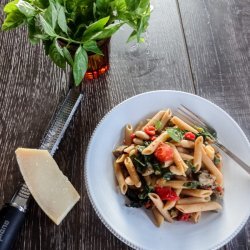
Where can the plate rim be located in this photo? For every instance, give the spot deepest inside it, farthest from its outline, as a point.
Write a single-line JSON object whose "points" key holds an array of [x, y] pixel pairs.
{"points": [[106, 224]]}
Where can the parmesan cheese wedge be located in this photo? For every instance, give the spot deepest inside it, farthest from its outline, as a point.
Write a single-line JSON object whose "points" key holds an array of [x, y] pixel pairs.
{"points": [[52, 190]]}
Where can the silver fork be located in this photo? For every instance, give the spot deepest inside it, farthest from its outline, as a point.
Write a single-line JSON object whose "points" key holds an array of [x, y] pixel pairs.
{"points": [[195, 120]]}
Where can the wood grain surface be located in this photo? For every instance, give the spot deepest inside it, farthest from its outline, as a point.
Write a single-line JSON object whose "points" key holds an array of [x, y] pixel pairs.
{"points": [[208, 56], [218, 37]]}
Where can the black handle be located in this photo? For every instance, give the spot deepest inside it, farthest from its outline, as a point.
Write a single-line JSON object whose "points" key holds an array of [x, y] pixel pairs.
{"points": [[11, 220]]}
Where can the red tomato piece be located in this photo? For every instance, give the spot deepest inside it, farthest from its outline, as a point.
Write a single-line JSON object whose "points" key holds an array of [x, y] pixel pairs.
{"points": [[166, 193], [150, 130], [219, 189], [132, 136], [189, 136], [184, 217], [153, 138], [164, 152]]}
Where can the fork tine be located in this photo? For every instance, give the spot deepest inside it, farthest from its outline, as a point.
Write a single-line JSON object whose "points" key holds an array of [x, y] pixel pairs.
{"points": [[186, 118], [195, 117]]}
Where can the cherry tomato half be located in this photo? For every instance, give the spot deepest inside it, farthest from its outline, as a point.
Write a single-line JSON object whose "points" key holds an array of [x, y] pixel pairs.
{"points": [[164, 152], [166, 193]]}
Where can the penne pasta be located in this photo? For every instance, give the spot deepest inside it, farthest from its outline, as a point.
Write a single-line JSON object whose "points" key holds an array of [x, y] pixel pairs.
{"points": [[157, 216], [180, 166], [174, 173], [132, 172], [120, 159], [183, 125], [173, 184], [165, 118], [186, 157], [155, 119], [201, 193], [195, 217], [192, 200], [154, 144], [199, 207], [129, 148], [128, 132], [159, 205], [120, 178], [210, 151], [129, 181], [197, 153], [212, 168]]}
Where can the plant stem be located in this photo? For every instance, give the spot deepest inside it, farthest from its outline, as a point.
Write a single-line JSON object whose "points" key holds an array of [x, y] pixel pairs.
{"points": [[69, 40]]}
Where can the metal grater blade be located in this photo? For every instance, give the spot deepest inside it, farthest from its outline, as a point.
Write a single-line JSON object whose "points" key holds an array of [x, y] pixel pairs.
{"points": [[58, 125], [51, 140]]}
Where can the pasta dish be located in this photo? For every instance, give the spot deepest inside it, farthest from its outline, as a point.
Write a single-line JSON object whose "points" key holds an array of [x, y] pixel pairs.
{"points": [[170, 168]]}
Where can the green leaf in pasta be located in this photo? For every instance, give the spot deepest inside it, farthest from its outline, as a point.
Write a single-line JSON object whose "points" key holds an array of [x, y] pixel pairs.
{"points": [[191, 184], [80, 65], [175, 133]]}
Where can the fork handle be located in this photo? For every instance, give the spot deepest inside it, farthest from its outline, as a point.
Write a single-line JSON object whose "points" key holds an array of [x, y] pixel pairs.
{"points": [[234, 157]]}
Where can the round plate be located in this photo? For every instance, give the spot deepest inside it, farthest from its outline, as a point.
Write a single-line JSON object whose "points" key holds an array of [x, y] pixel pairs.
{"points": [[134, 226]]}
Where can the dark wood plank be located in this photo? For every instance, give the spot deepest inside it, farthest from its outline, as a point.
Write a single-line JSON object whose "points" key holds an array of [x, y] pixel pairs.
{"points": [[30, 88], [218, 37]]}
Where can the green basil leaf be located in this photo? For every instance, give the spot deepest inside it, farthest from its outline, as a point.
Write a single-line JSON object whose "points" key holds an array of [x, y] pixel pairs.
{"points": [[175, 133], [158, 125], [92, 47], [68, 56], [95, 27], [191, 184], [144, 5], [47, 44], [56, 54], [34, 32], [80, 65], [132, 5], [11, 6], [47, 27], [50, 15], [26, 8], [61, 20], [132, 36], [107, 32], [13, 20]]}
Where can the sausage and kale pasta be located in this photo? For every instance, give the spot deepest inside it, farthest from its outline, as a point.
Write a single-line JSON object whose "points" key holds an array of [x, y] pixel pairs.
{"points": [[170, 168]]}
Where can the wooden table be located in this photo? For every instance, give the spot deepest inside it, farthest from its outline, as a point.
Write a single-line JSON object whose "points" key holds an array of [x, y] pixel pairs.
{"points": [[198, 46]]}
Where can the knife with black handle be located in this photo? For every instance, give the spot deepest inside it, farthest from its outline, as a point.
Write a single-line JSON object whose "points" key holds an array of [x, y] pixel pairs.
{"points": [[12, 215]]}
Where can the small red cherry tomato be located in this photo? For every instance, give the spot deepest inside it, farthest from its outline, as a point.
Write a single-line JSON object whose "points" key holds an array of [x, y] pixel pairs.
{"points": [[219, 189], [150, 130], [153, 138], [164, 152], [189, 136], [184, 217], [166, 193], [132, 136]]}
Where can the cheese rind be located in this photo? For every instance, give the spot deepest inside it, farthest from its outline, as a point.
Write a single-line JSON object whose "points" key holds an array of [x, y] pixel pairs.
{"points": [[52, 190]]}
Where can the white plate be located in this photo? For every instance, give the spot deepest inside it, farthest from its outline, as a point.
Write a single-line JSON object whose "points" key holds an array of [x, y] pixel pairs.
{"points": [[134, 225]]}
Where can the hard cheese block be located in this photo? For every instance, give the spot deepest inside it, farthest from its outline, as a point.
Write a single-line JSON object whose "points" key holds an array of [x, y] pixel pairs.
{"points": [[50, 188]]}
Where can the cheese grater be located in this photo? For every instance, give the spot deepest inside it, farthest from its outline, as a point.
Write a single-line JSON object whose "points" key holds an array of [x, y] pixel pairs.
{"points": [[13, 213]]}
